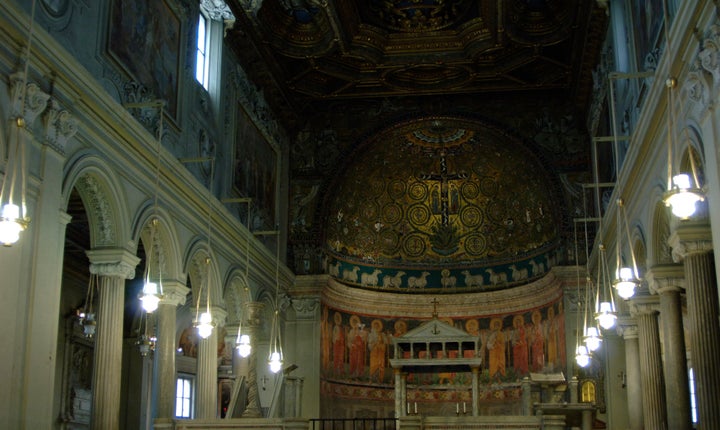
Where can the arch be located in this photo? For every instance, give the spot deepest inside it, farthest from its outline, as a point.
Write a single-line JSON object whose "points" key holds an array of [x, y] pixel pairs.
{"points": [[103, 198], [195, 266], [166, 245]]}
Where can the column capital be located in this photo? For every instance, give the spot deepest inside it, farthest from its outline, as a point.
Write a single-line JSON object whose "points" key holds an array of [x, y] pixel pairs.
{"points": [[306, 307], [174, 293], [644, 305], [254, 312], [666, 278], [627, 327], [112, 262], [218, 315], [690, 239]]}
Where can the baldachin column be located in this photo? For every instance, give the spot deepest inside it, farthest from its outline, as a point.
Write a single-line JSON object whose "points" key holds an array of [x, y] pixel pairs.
{"points": [[645, 310], [691, 243], [113, 266], [668, 281]]}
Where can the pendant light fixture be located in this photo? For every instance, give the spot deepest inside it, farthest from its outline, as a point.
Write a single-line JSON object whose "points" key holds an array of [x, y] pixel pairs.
{"points": [[86, 315], [204, 321], [13, 208], [242, 342], [275, 359]]}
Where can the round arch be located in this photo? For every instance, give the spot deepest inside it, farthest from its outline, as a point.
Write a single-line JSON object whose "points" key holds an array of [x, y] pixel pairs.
{"points": [[103, 198], [166, 245]]}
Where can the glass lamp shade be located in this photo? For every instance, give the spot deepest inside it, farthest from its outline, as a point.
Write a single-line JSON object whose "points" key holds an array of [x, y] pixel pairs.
{"points": [[626, 283], [275, 362], [582, 358], [144, 344], [243, 346], [150, 299], [606, 317], [10, 226], [682, 199], [592, 339], [204, 325], [89, 325]]}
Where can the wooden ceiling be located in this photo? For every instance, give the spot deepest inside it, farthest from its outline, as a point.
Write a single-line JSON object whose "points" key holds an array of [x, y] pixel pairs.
{"points": [[304, 53]]}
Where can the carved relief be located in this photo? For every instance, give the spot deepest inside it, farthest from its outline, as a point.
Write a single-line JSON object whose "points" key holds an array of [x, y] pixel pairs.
{"points": [[35, 100], [99, 209]]}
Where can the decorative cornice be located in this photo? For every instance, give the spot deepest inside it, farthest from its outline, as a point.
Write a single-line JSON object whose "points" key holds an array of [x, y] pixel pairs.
{"points": [[538, 293], [112, 263]]}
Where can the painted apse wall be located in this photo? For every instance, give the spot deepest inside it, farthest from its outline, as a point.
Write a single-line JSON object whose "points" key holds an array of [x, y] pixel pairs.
{"points": [[356, 348]]}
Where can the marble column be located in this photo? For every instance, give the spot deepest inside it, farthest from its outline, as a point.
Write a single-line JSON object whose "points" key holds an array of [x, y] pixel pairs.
{"points": [[113, 266], [526, 396], [627, 328], [253, 310], [645, 311], [207, 364], [668, 281], [399, 400], [173, 295], [691, 243], [231, 350]]}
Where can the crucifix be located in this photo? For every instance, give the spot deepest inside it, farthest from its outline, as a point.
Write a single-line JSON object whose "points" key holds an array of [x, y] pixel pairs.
{"points": [[435, 303], [444, 179]]}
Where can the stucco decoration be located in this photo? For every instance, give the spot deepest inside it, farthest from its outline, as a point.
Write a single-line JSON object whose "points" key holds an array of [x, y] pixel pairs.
{"points": [[441, 204]]}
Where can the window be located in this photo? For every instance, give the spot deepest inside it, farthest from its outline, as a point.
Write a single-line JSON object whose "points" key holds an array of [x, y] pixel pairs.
{"points": [[202, 64], [184, 397], [693, 399]]}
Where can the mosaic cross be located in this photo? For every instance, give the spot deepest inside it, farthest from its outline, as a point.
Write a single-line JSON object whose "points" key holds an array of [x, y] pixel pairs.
{"points": [[444, 179]]}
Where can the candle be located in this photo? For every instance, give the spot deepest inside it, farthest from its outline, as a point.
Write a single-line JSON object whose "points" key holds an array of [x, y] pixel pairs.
{"points": [[464, 410], [416, 407], [408, 408], [457, 408]]}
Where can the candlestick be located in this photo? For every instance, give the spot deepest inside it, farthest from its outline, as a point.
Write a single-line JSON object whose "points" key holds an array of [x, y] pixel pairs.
{"points": [[416, 408], [457, 408], [408, 408], [464, 410]]}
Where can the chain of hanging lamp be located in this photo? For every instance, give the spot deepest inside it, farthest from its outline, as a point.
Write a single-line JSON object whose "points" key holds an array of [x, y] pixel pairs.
{"points": [[682, 194], [242, 342], [275, 359], [13, 216], [203, 321]]}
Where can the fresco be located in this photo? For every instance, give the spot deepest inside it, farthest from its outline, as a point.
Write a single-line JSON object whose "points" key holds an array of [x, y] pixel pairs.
{"points": [[356, 350]]}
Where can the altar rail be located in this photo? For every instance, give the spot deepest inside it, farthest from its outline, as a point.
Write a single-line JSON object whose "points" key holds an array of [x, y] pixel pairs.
{"points": [[353, 424]]}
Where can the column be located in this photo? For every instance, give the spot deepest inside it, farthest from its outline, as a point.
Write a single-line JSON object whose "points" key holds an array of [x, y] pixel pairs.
{"points": [[645, 310], [691, 243], [627, 328], [475, 390], [667, 281], [526, 396], [253, 311], [113, 266], [399, 400], [174, 294], [207, 364]]}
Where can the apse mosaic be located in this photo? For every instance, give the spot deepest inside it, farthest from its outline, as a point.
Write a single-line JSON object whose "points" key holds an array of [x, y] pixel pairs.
{"points": [[441, 204], [356, 350]]}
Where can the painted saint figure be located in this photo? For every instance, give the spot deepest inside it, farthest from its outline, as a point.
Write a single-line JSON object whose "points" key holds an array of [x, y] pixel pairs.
{"points": [[338, 339], [377, 344], [519, 346], [537, 347], [357, 337], [496, 349]]}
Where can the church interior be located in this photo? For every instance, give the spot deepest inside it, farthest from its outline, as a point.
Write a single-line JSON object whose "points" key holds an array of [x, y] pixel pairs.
{"points": [[381, 214]]}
